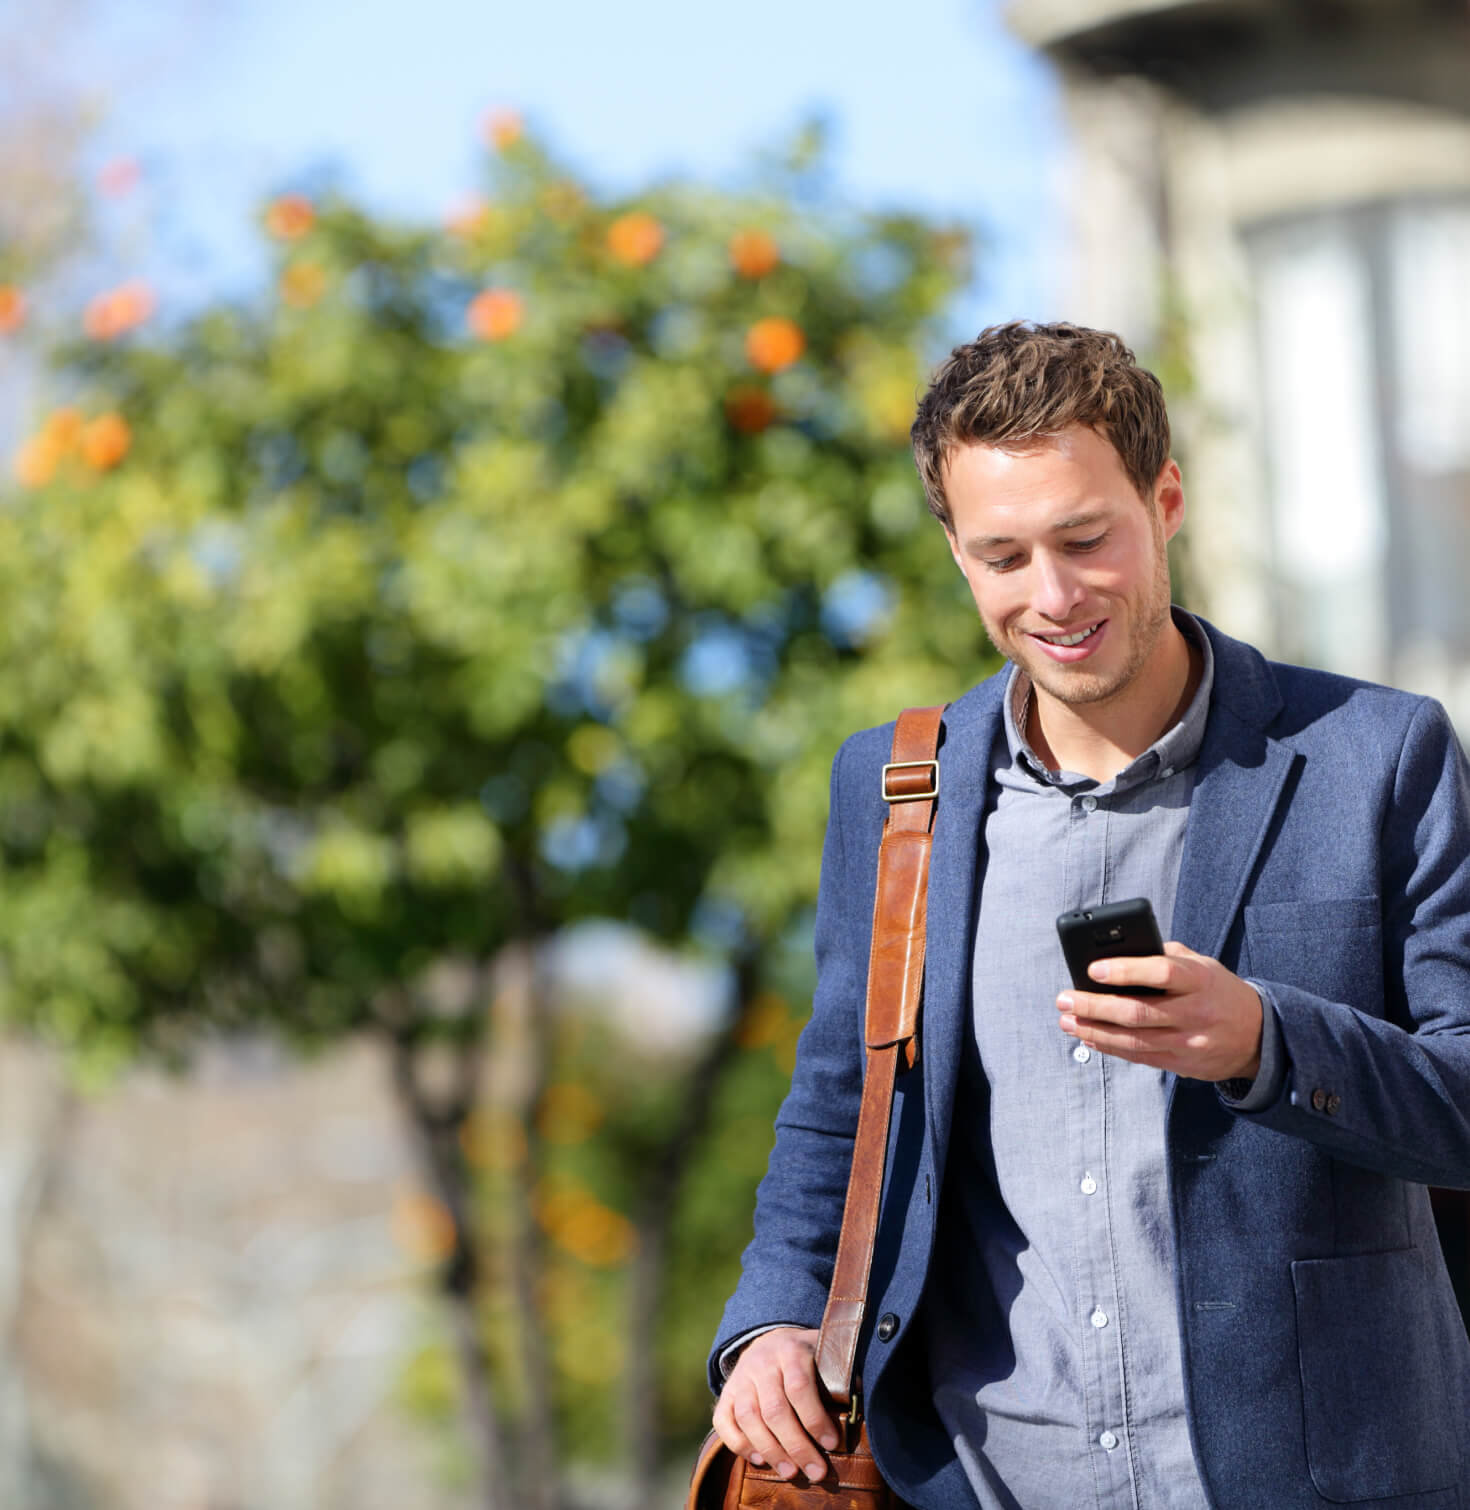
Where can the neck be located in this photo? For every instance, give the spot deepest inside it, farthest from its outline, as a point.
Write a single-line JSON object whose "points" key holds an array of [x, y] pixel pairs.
{"points": [[1099, 739]]}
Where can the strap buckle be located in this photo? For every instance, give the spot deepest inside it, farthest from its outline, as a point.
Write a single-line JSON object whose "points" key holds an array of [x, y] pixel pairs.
{"points": [[850, 1421], [931, 791]]}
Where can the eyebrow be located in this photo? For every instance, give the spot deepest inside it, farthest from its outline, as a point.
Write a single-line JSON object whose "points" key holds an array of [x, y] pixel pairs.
{"points": [[1076, 522]]}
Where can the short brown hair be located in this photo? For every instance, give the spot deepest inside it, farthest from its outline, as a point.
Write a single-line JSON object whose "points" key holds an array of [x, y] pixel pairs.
{"points": [[1021, 383]]}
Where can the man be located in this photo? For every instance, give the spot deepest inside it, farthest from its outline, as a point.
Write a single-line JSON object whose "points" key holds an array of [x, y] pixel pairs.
{"points": [[1165, 1250]]}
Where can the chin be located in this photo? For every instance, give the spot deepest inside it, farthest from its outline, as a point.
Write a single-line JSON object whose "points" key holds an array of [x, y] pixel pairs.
{"points": [[1081, 683], [1076, 687]]}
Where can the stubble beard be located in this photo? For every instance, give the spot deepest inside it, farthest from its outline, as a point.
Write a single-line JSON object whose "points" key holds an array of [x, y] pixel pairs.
{"points": [[1079, 686]]}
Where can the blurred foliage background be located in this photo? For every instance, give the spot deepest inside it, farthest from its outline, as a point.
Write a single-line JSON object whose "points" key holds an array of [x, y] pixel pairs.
{"points": [[481, 581]]}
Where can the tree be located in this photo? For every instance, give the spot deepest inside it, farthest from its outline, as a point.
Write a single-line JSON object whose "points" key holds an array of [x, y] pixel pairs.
{"points": [[479, 581]]}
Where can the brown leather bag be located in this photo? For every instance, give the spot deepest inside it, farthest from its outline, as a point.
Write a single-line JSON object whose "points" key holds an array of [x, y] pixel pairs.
{"points": [[722, 1481]]}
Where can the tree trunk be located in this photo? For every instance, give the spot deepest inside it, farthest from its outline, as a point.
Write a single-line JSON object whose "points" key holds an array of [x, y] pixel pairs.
{"points": [[496, 1490], [437, 1131], [657, 1201], [532, 1032], [538, 1458]]}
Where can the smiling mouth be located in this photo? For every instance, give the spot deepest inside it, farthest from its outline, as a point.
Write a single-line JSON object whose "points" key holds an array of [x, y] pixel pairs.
{"points": [[1068, 640]]}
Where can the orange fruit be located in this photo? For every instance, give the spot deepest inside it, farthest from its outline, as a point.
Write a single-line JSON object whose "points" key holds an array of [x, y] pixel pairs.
{"points": [[597, 1235], [503, 128], [421, 1226], [290, 217], [35, 462], [635, 238], [754, 253], [99, 319], [63, 428], [774, 343], [12, 308], [749, 410], [118, 311], [495, 313], [105, 441], [302, 284], [134, 303]]}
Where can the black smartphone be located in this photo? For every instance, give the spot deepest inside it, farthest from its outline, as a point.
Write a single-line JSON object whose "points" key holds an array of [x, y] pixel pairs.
{"points": [[1108, 932]]}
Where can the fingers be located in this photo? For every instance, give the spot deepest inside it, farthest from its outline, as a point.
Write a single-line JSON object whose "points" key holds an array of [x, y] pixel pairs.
{"points": [[1125, 1011], [771, 1409], [1140, 1028], [804, 1395], [1159, 972]]}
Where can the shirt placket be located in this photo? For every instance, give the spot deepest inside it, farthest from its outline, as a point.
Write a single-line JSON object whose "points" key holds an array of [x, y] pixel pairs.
{"points": [[1099, 1322]]}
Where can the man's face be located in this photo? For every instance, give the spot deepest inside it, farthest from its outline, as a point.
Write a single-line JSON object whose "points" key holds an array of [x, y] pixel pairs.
{"points": [[1067, 563]]}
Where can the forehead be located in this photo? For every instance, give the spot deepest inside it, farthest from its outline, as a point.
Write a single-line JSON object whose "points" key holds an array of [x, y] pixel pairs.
{"points": [[1074, 468]]}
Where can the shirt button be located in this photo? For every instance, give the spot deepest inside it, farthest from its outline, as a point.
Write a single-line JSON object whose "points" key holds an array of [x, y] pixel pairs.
{"points": [[1088, 1185], [1099, 1318], [1167, 772], [1082, 1053], [1107, 1441], [1089, 803]]}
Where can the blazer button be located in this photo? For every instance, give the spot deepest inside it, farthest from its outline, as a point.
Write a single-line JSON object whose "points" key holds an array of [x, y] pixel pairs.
{"points": [[1319, 1100], [1333, 1102], [887, 1326]]}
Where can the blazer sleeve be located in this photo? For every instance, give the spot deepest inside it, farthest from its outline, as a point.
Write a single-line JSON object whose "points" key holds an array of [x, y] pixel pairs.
{"points": [[787, 1268], [1386, 1084]]}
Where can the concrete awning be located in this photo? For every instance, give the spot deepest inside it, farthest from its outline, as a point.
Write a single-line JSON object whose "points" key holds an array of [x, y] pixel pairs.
{"points": [[1222, 54]]}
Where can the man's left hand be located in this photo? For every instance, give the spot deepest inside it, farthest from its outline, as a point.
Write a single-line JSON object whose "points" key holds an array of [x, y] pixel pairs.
{"points": [[1206, 1025]]}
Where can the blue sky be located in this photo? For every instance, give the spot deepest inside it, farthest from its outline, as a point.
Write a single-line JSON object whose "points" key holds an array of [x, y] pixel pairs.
{"points": [[933, 106]]}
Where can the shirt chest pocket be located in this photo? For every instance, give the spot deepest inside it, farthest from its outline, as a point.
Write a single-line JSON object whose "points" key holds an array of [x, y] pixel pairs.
{"points": [[1332, 947]]}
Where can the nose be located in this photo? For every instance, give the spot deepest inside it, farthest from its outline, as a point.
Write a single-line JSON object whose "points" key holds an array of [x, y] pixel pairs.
{"points": [[1056, 587]]}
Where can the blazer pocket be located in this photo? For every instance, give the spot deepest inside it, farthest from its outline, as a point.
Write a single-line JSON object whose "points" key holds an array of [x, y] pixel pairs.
{"points": [[1331, 947], [1378, 1379]]}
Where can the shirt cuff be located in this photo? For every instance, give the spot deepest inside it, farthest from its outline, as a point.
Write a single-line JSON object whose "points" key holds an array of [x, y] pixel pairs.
{"points": [[730, 1352], [1256, 1095]]}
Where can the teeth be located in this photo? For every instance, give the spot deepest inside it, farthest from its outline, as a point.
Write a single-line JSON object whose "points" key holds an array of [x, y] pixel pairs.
{"points": [[1067, 639]]}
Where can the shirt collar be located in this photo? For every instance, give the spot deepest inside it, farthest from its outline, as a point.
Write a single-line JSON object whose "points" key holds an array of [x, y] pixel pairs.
{"points": [[1176, 748]]}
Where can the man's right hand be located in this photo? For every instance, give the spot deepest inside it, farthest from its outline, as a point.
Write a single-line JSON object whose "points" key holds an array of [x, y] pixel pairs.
{"points": [[771, 1409]]}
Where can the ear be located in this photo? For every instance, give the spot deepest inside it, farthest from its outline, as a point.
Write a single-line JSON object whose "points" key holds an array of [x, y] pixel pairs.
{"points": [[1169, 498]]}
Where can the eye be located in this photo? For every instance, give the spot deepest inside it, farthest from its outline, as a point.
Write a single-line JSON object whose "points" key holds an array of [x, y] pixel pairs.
{"points": [[1089, 544], [1001, 563]]}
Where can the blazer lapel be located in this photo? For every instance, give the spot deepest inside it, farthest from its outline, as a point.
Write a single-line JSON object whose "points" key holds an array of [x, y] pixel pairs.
{"points": [[956, 864], [1238, 785]]}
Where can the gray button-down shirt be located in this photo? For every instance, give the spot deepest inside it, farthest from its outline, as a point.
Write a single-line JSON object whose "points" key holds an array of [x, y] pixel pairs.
{"points": [[1052, 1323]]}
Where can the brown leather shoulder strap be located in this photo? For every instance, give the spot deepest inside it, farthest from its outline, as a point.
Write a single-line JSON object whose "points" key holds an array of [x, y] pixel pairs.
{"points": [[895, 982]]}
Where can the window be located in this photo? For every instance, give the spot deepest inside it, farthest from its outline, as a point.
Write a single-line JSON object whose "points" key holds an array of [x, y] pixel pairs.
{"points": [[1363, 332]]}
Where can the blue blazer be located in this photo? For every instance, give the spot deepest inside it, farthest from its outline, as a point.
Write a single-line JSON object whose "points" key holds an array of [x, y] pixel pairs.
{"points": [[1325, 1361]]}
